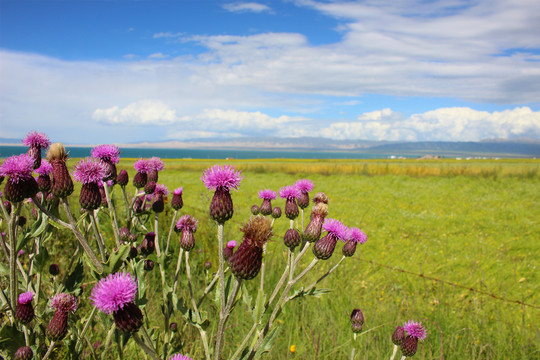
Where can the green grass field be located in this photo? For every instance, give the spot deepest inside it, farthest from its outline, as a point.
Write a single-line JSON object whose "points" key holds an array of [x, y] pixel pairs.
{"points": [[460, 231]]}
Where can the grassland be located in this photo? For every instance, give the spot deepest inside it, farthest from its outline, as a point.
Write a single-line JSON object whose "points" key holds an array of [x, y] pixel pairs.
{"points": [[474, 226]]}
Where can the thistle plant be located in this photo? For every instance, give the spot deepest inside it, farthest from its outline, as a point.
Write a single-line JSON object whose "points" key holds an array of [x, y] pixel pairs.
{"points": [[118, 299]]}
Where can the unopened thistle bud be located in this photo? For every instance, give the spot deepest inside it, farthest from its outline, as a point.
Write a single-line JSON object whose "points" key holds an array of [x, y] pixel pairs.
{"points": [[21, 221], [290, 193], [188, 226], [177, 202], [221, 179], [414, 331], [124, 234], [109, 155], [156, 165], [23, 353], [160, 192], [148, 265], [276, 212], [25, 309], [35, 142], [20, 183], [122, 178], [61, 185], [357, 320], [44, 180], [89, 172], [267, 196], [304, 186], [313, 230], [255, 210], [320, 198], [58, 326], [292, 238], [356, 236], [324, 247], [246, 262], [150, 187], [141, 178], [54, 269], [148, 244], [173, 327], [398, 335]]}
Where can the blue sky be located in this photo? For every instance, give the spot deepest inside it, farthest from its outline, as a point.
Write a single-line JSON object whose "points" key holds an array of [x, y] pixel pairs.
{"points": [[89, 71]]}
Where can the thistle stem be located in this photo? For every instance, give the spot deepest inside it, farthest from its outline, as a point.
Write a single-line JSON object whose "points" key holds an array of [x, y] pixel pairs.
{"points": [[49, 350], [81, 336], [222, 305], [170, 232], [99, 238], [394, 352], [144, 347], [222, 321], [403, 357], [177, 272], [325, 275], [13, 283], [156, 231], [112, 213]]}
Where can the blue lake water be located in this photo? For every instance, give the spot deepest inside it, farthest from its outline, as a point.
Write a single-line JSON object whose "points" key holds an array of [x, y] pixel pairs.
{"points": [[6, 151]]}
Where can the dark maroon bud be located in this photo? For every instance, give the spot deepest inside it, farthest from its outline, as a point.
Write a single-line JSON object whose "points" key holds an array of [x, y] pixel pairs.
{"points": [[103, 197], [148, 244], [58, 326], [292, 239], [303, 200], [129, 319], [153, 175], [266, 207], [207, 265], [255, 210], [150, 187], [21, 221], [124, 234], [158, 205], [132, 238], [398, 335], [24, 188], [349, 248], [54, 269], [122, 178], [221, 207], [90, 196], [34, 152], [24, 353], [25, 310], [409, 346], [177, 202], [357, 320], [140, 179], [110, 170], [173, 327], [148, 265], [314, 228], [276, 212], [61, 184], [133, 252], [44, 183], [291, 208], [324, 247]]}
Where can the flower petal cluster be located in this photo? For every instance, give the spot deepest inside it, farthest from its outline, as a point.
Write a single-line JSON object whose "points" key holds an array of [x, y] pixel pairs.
{"points": [[142, 166], [356, 235], [109, 153], [114, 292], [17, 167], [232, 244], [336, 228], [267, 194], [64, 302], [304, 185], [180, 357], [45, 168], [36, 139], [289, 192], [188, 223], [156, 163], [26, 297], [178, 191], [161, 190], [89, 170], [415, 330], [221, 177]]}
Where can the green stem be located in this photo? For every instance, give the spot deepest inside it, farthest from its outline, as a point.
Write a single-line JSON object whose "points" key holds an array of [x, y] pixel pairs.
{"points": [[81, 336], [49, 350], [99, 238], [13, 283], [112, 213], [156, 231], [177, 272], [220, 335], [325, 275], [394, 352], [170, 232], [144, 347], [221, 275]]}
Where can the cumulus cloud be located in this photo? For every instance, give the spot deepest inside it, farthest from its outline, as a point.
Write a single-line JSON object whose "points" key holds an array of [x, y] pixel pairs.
{"points": [[444, 124], [246, 7], [144, 112]]}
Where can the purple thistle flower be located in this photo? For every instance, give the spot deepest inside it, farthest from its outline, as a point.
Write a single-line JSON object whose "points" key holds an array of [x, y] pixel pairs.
{"points": [[114, 292], [188, 223], [36, 139], [142, 166], [289, 192], [180, 357], [231, 244], [224, 177], [357, 236], [89, 170], [26, 297], [64, 302], [18, 167], [178, 191], [110, 153], [304, 185], [336, 229], [415, 330], [161, 190], [267, 194], [156, 164], [45, 168]]}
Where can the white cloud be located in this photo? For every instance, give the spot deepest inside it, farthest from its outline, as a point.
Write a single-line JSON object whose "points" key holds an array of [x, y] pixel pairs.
{"points": [[444, 124], [144, 112], [158, 56], [246, 7]]}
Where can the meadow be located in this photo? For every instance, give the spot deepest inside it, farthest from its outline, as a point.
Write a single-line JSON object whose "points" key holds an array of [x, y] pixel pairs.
{"points": [[454, 244]]}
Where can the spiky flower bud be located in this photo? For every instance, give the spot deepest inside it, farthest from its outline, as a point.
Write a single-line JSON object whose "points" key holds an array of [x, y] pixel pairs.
{"points": [[128, 319], [54, 269], [221, 179], [207, 265], [150, 187], [160, 192], [313, 230], [398, 335], [23, 353], [173, 327], [109, 155], [246, 262], [61, 185], [25, 309], [290, 193], [58, 326], [292, 238], [44, 180], [122, 178], [148, 244], [324, 247], [267, 196], [35, 142], [177, 202], [148, 265], [320, 198], [20, 183], [188, 226], [276, 212], [255, 210], [356, 236], [357, 320], [156, 165], [304, 186], [141, 178], [123, 234], [133, 252]]}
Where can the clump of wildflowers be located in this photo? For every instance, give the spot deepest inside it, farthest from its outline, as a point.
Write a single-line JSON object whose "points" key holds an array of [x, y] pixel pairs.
{"points": [[414, 332], [305, 186], [20, 183], [324, 247], [267, 196], [35, 142], [188, 226], [356, 236], [115, 295], [221, 179], [89, 172], [290, 193]]}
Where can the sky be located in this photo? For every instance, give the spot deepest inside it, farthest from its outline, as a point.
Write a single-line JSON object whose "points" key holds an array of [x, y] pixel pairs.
{"points": [[126, 71]]}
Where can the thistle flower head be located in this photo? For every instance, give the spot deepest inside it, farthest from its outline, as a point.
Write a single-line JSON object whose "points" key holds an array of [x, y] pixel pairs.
{"points": [[304, 185], [357, 236], [17, 167], [180, 357], [114, 292], [45, 168], [161, 190], [320, 198], [64, 302], [26, 297], [142, 166], [336, 228], [178, 191], [289, 192], [57, 151], [221, 177], [415, 330], [321, 209], [110, 153], [267, 194], [232, 244], [258, 230], [156, 163], [89, 170], [187, 223], [36, 139]]}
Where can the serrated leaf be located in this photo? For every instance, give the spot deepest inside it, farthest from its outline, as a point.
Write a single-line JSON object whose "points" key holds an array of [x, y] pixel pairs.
{"points": [[246, 297], [259, 305], [10, 339], [267, 343], [118, 257], [312, 292], [75, 278]]}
